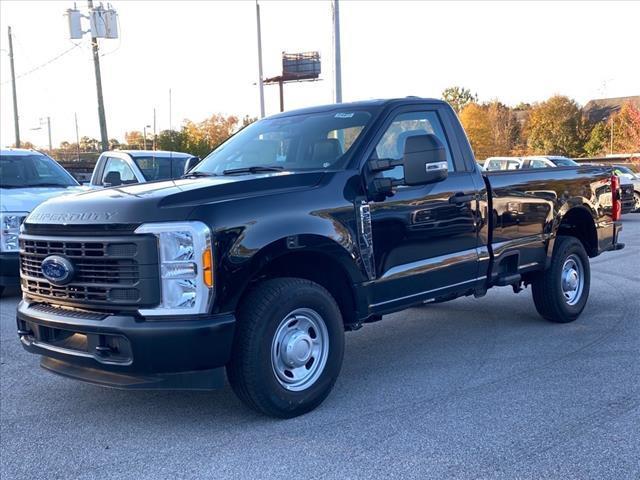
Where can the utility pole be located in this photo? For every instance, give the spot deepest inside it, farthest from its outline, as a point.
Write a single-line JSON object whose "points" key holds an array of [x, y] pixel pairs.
{"points": [[49, 130], [336, 41], [170, 125], [260, 84], [15, 95], [101, 114], [75, 116], [154, 129]]}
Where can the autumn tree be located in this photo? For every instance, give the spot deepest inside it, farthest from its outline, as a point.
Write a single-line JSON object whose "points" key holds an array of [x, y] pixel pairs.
{"points": [[459, 97], [626, 129], [24, 144], [201, 138], [505, 130], [626, 133], [475, 120], [134, 139], [556, 127]]}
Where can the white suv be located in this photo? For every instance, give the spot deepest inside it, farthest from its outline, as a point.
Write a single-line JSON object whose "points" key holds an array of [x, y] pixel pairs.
{"points": [[27, 178]]}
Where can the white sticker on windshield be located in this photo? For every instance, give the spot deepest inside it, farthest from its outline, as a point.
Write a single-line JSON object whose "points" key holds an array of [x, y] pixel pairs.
{"points": [[343, 115]]}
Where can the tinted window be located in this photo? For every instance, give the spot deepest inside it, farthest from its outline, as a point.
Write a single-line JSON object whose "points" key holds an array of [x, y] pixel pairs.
{"points": [[35, 170], [405, 125], [297, 142], [117, 172], [161, 168], [538, 164], [563, 162]]}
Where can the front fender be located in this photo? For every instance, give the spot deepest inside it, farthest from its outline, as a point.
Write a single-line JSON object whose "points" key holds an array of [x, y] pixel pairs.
{"points": [[257, 245]]}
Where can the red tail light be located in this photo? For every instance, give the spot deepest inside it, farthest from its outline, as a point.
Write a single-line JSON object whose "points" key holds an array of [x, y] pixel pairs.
{"points": [[616, 204]]}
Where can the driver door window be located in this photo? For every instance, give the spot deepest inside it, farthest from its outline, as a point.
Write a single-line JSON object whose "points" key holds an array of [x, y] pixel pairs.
{"points": [[405, 125], [117, 172], [538, 164]]}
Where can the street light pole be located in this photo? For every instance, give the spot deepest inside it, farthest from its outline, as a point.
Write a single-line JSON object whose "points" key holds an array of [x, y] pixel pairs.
{"points": [[101, 114], [260, 83], [75, 116], [144, 136], [15, 96], [336, 41], [49, 130]]}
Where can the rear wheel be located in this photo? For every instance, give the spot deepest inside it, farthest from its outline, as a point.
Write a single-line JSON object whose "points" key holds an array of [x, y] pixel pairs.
{"points": [[288, 347], [560, 293]]}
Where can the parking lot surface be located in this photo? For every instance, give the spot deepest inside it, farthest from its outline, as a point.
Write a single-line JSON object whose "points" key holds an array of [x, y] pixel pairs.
{"points": [[474, 388]]}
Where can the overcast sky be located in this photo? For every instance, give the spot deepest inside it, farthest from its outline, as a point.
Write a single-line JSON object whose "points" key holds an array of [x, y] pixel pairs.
{"points": [[206, 53]]}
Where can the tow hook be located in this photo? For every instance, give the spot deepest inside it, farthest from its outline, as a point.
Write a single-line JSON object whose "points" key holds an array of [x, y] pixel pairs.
{"points": [[517, 287]]}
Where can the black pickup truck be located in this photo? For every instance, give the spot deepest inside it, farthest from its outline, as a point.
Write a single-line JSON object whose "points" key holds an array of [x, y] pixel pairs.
{"points": [[298, 228]]}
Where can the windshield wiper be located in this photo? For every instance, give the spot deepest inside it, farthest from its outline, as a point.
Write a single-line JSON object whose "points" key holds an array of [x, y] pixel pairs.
{"points": [[254, 169], [198, 175]]}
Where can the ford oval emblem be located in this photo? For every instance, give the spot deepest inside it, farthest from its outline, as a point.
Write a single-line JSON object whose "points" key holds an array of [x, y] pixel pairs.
{"points": [[58, 270]]}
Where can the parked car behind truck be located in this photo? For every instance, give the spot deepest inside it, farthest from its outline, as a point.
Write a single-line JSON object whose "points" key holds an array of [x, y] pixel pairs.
{"points": [[301, 226], [27, 178], [126, 167]]}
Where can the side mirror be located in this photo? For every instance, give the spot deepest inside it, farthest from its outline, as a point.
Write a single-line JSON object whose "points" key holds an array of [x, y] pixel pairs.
{"points": [[425, 160], [190, 163]]}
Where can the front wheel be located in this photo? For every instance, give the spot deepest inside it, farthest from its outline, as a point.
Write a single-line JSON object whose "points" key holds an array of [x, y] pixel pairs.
{"points": [[560, 293], [636, 202], [288, 347]]}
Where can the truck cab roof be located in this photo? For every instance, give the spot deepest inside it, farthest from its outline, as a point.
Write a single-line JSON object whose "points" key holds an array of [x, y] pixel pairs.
{"points": [[362, 104]]}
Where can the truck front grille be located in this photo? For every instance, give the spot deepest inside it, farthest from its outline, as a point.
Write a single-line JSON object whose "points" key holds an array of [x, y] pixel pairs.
{"points": [[119, 272]]}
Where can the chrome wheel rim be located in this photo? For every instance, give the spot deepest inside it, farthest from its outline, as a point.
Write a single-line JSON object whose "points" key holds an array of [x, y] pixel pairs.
{"points": [[572, 279], [637, 202], [300, 349]]}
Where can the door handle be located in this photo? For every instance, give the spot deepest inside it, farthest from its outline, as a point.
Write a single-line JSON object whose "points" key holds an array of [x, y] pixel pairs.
{"points": [[460, 197]]}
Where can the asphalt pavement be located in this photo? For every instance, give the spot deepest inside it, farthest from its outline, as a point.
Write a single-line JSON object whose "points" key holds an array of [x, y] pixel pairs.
{"points": [[474, 388]]}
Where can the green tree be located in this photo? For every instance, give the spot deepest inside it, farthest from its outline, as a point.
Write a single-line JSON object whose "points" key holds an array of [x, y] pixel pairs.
{"points": [[88, 144], [598, 140], [556, 127], [459, 97], [171, 140]]}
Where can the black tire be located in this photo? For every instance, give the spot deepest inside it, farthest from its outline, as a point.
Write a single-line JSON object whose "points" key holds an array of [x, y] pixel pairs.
{"points": [[1, 291], [251, 371], [636, 198], [547, 286]]}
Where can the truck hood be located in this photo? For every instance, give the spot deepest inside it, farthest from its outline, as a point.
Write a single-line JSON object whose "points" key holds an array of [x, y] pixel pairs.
{"points": [[169, 200], [26, 199]]}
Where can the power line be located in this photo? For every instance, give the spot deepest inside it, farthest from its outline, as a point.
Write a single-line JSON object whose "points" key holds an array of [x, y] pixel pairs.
{"points": [[35, 69]]}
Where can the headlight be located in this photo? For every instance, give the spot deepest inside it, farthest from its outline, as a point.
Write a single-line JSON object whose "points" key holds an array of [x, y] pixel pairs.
{"points": [[10, 230], [186, 267]]}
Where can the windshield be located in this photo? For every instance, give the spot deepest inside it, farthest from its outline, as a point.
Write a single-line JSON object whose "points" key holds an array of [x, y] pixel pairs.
{"points": [[161, 168], [32, 171], [298, 142], [564, 162]]}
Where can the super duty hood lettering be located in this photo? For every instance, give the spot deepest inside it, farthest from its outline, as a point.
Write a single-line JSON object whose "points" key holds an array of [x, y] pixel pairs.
{"points": [[64, 217]]}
